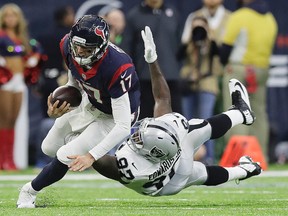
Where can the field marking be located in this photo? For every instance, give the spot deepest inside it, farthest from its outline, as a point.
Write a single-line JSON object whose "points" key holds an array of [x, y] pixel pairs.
{"points": [[66, 177], [282, 173], [186, 208], [96, 176]]}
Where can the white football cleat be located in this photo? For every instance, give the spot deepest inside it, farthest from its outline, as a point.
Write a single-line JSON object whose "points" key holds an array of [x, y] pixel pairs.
{"points": [[252, 168], [26, 197], [240, 101]]}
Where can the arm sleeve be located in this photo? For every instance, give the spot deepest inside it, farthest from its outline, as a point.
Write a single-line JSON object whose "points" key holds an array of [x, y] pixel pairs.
{"points": [[232, 29], [122, 117], [186, 35], [72, 82], [231, 33], [224, 53]]}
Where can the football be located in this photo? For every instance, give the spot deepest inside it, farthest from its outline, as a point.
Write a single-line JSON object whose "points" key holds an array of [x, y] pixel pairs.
{"points": [[69, 94]]}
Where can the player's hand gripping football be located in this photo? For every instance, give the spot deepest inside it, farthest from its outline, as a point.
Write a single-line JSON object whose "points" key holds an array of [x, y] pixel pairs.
{"points": [[53, 111], [150, 48]]}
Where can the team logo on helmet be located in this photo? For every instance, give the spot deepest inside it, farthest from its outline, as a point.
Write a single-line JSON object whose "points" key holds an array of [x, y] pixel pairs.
{"points": [[99, 30], [156, 152]]}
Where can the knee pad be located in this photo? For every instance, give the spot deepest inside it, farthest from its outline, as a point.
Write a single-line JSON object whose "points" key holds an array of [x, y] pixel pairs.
{"points": [[48, 148], [62, 155]]}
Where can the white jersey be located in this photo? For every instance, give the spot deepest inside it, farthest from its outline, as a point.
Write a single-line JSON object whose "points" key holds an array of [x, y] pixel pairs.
{"points": [[144, 176]]}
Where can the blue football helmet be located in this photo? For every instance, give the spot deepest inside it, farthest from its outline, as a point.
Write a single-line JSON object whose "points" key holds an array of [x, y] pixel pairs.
{"points": [[90, 32]]}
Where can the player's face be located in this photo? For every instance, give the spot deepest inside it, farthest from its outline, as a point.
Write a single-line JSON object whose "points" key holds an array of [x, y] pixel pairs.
{"points": [[83, 52]]}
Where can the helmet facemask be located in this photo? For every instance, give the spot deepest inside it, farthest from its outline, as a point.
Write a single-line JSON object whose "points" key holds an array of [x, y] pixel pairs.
{"points": [[96, 52]]}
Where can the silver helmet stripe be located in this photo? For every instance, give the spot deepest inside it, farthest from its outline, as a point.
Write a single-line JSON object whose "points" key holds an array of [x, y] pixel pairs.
{"points": [[165, 130]]}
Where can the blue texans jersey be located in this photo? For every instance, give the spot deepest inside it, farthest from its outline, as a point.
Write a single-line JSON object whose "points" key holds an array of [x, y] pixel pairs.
{"points": [[110, 77], [10, 47]]}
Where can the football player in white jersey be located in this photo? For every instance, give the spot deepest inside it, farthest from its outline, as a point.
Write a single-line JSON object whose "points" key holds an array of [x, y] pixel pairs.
{"points": [[158, 158]]}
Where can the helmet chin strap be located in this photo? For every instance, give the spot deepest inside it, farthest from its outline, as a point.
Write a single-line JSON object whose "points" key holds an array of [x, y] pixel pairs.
{"points": [[87, 61], [83, 61]]}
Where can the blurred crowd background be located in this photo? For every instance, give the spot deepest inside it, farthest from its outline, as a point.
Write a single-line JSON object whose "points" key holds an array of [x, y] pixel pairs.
{"points": [[49, 21]]}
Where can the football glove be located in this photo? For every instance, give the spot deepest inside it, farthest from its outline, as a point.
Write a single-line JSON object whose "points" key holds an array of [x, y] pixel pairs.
{"points": [[150, 48]]}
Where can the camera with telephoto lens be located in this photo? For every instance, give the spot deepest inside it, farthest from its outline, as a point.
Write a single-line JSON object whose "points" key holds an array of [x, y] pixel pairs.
{"points": [[199, 33]]}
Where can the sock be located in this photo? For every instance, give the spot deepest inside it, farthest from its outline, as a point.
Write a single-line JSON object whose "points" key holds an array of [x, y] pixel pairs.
{"points": [[235, 116], [30, 189], [220, 124], [236, 173], [216, 175], [50, 174]]}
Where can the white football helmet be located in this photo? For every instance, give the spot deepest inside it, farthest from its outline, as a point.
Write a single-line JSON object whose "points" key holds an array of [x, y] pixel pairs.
{"points": [[155, 139]]}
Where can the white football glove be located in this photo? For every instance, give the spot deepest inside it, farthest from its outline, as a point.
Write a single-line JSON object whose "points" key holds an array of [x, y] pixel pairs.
{"points": [[150, 48]]}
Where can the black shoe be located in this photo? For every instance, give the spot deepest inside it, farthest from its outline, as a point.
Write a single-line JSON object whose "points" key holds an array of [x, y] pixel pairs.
{"points": [[240, 101], [252, 168]]}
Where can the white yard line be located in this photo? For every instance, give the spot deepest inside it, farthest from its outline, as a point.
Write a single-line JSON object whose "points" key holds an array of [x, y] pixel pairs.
{"points": [[282, 173], [66, 177], [100, 177]]}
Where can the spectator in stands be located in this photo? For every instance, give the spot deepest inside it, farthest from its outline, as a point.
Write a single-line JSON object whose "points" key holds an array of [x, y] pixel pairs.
{"points": [[199, 81], [116, 20], [64, 18], [201, 37], [164, 23], [215, 13], [247, 46]]}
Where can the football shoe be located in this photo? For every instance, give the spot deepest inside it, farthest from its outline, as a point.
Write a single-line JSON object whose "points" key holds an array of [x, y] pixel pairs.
{"points": [[26, 197], [240, 101], [252, 168]]}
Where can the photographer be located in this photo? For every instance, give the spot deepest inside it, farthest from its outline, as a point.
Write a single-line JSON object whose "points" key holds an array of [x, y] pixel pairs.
{"points": [[199, 81]]}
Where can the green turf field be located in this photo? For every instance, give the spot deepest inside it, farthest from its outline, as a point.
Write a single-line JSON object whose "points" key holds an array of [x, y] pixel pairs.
{"points": [[266, 195]]}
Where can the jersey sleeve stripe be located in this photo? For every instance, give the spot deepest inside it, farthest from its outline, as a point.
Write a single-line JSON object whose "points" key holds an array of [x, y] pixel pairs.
{"points": [[65, 38], [119, 71]]}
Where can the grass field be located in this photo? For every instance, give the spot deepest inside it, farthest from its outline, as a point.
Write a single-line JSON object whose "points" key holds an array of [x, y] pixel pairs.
{"points": [[81, 195]]}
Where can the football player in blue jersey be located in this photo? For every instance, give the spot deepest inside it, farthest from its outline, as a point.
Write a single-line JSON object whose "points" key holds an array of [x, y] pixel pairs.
{"points": [[106, 76]]}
